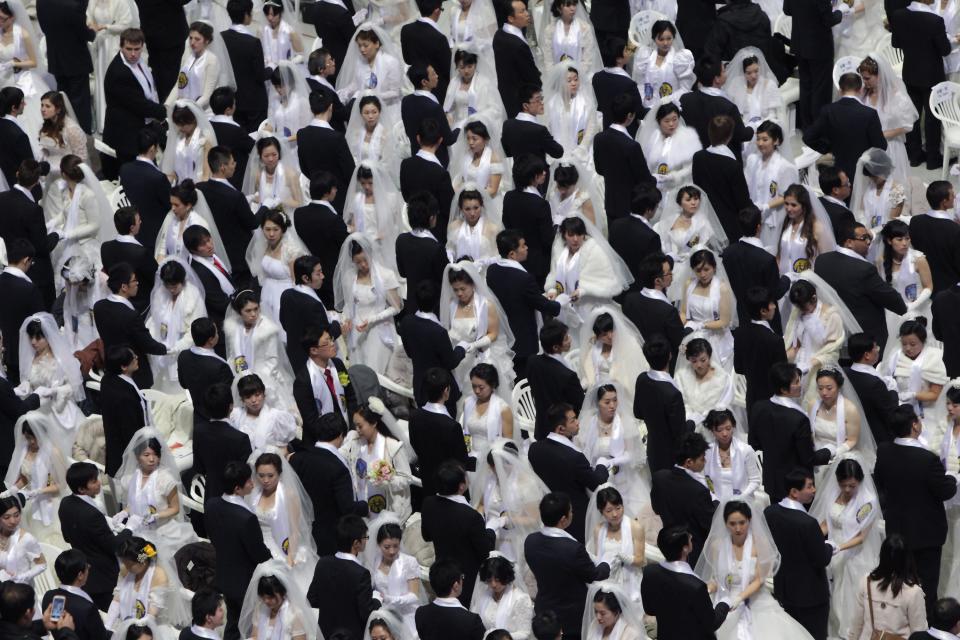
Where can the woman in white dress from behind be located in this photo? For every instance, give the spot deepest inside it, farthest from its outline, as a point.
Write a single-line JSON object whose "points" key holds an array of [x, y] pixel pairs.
{"points": [[275, 607], [176, 300], [610, 614], [501, 599]]}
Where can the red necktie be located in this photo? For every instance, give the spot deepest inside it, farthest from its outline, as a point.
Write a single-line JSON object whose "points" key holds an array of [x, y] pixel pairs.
{"points": [[333, 391], [219, 266]]}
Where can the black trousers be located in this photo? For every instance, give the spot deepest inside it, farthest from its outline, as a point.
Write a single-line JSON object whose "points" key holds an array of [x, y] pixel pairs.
{"points": [[102, 600], [920, 96], [813, 619], [77, 89], [928, 568], [231, 630], [816, 88], [249, 120], [165, 66]]}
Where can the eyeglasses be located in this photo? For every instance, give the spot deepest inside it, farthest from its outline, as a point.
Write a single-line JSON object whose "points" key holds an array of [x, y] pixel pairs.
{"points": [[863, 238]]}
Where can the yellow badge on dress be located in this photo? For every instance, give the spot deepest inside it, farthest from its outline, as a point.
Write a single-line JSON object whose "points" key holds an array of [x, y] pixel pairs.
{"points": [[163, 330], [694, 241], [580, 136], [139, 610], [662, 169], [285, 546], [559, 287], [468, 442], [864, 512], [182, 80], [666, 90], [800, 265], [774, 187], [240, 363], [376, 503]]}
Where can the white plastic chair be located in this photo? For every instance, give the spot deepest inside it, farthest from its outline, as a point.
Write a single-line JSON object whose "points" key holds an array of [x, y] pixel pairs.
{"points": [[394, 387], [194, 501], [945, 105], [783, 26], [47, 580], [640, 24], [521, 402], [892, 55], [846, 64], [104, 148]]}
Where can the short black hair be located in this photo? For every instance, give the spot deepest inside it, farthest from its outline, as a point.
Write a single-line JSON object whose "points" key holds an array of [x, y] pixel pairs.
{"points": [[435, 381], [449, 476], [429, 133], [782, 375], [421, 207], [118, 356], [557, 414], [611, 50], [444, 574], [526, 168], [552, 334], [622, 107], [945, 614], [829, 178], [646, 197], [206, 600], [193, 236], [217, 400], [657, 351], [80, 474], [303, 267], [553, 507], [902, 420], [508, 240], [124, 219], [223, 98], [218, 157], [427, 295], [758, 299], [418, 74], [19, 249], [326, 428], [850, 81], [796, 478], [707, 69], [692, 446], [350, 528], [320, 101], [859, 345], [118, 275], [937, 192], [672, 540], [748, 219], [235, 475], [16, 599], [146, 139], [70, 564], [202, 330], [651, 268]]}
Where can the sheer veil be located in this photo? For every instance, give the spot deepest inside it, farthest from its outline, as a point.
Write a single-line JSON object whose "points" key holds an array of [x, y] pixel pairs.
{"points": [[879, 163], [128, 469], [225, 77], [389, 618], [631, 616], [254, 613], [547, 26], [736, 84], [345, 276], [385, 204], [294, 83], [483, 96], [291, 243], [49, 465], [288, 161], [168, 161], [589, 183], [160, 297], [448, 302], [60, 348], [859, 514], [627, 350]]}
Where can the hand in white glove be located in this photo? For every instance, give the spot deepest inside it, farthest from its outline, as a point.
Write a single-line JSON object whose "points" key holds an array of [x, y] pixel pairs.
{"points": [[604, 461], [693, 324], [907, 396], [735, 602], [29, 494], [841, 450], [953, 464], [6, 66], [150, 519], [118, 519], [615, 562], [22, 389], [625, 558], [563, 299], [463, 345], [388, 599], [844, 9], [359, 17], [44, 392]]}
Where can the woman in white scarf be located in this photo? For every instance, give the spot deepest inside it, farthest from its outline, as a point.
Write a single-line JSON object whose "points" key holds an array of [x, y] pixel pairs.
{"points": [[177, 299], [471, 313], [386, 624], [616, 537], [108, 18], [709, 306], [668, 145], [610, 614], [188, 207], [470, 23], [611, 348], [269, 428], [663, 68], [907, 271], [609, 436], [270, 256], [473, 88], [285, 514], [21, 559], [884, 91], [848, 511], [738, 557], [366, 293], [566, 36], [190, 137], [49, 369], [477, 158], [148, 588], [84, 285], [369, 128], [806, 231], [838, 421], [394, 573], [149, 490], [373, 64], [753, 87], [571, 110], [275, 608], [486, 415], [703, 381], [920, 373], [281, 40], [21, 65], [288, 108], [82, 215], [732, 464], [205, 65], [272, 178], [371, 208], [768, 175], [472, 234], [38, 472], [573, 192], [500, 599], [877, 197]]}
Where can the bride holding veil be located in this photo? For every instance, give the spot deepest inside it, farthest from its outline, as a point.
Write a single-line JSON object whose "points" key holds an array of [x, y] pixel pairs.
{"points": [[373, 62], [610, 613], [371, 208], [275, 607], [571, 110], [611, 348], [189, 139]]}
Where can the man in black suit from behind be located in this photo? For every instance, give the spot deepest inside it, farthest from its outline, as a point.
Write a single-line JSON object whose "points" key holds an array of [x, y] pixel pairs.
{"points": [[937, 234], [801, 585], [551, 379], [658, 402], [756, 345], [913, 485], [613, 81], [422, 336], [423, 43], [72, 571], [236, 536], [945, 619], [678, 598], [322, 67], [146, 187], [527, 211], [322, 148], [12, 407], [423, 171], [326, 479], [216, 441], [446, 617], [512, 55], [342, 589], [945, 309], [420, 255], [423, 104], [780, 428], [64, 23], [122, 405], [521, 298], [14, 141], [87, 529], [836, 187], [246, 56], [434, 435], [719, 173], [523, 134], [878, 394], [561, 564], [199, 367], [813, 47], [632, 236], [749, 265], [457, 530], [23, 218], [335, 23], [619, 158], [845, 128], [230, 134], [126, 248], [858, 283], [321, 227], [700, 107], [564, 468], [650, 309], [165, 24], [21, 299], [303, 306], [610, 19], [119, 324]]}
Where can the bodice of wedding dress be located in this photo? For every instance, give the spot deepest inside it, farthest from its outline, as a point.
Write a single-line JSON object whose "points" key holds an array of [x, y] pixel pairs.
{"points": [[270, 428]]}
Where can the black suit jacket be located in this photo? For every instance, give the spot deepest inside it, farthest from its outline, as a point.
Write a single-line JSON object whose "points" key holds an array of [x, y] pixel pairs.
{"points": [[86, 529], [196, 373], [845, 128], [563, 570], [122, 409], [335, 26], [612, 16], [785, 437], [755, 350], [530, 214], [681, 604], [660, 406], [214, 296], [64, 23], [515, 68], [939, 240], [343, 592], [127, 107], [521, 298], [804, 557], [609, 86], [923, 39], [840, 215], [327, 482], [695, 18], [439, 623], [140, 257], [946, 309], [619, 159], [436, 438], [419, 259], [234, 220], [815, 20], [414, 109], [552, 382], [520, 137], [236, 535], [428, 345], [679, 499], [323, 232], [700, 108], [655, 317], [20, 300], [323, 149], [11, 409], [423, 44], [913, 485], [216, 443], [877, 400], [564, 469], [149, 191], [459, 532], [120, 325], [417, 174], [16, 149], [297, 312], [236, 138], [341, 114], [723, 181], [633, 240], [246, 56], [164, 23], [23, 218], [307, 401], [750, 266], [86, 616], [865, 293]]}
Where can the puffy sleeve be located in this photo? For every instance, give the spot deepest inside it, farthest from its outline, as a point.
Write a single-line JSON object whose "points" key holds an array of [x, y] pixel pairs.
{"points": [[30, 547], [409, 567], [165, 483], [900, 113], [683, 68], [284, 427]]}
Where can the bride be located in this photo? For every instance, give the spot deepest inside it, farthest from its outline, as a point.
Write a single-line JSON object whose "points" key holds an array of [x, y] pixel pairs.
{"points": [[269, 428], [189, 140], [610, 614], [703, 381], [611, 348], [368, 129], [37, 471], [473, 88], [60, 134], [566, 36], [19, 62], [205, 65], [272, 176], [270, 256], [148, 587], [616, 538], [82, 216], [472, 234], [176, 300], [738, 557], [371, 208], [289, 102], [571, 110], [393, 572], [188, 207], [275, 608], [709, 307], [502, 601], [668, 145], [373, 63], [477, 158], [836, 418]]}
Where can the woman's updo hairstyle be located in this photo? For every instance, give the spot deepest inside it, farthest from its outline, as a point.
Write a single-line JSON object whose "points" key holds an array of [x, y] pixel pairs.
{"points": [[204, 29], [172, 272], [136, 549], [572, 227], [666, 109], [833, 374], [185, 192], [271, 586], [499, 568], [749, 60], [389, 531], [566, 175], [609, 600], [265, 143], [181, 116], [477, 128], [849, 469], [701, 257], [737, 506], [608, 495], [488, 373], [277, 217], [70, 168], [915, 327]]}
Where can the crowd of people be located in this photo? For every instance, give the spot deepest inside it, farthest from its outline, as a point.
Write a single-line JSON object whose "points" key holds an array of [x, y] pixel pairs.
{"points": [[411, 319]]}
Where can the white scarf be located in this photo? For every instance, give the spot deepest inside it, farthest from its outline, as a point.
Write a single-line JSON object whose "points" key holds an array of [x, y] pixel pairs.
{"points": [[279, 623], [788, 403], [839, 419], [135, 601], [492, 418], [738, 470], [144, 500]]}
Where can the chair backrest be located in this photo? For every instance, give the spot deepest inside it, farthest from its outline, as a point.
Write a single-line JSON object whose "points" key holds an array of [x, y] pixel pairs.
{"points": [[118, 198], [783, 25], [891, 54], [846, 64], [198, 487], [640, 24], [521, 401], [48, 579], [945, 103]]}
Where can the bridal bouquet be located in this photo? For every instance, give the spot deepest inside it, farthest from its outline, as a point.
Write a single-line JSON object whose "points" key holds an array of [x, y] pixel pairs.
{"points": [[381, 472]]}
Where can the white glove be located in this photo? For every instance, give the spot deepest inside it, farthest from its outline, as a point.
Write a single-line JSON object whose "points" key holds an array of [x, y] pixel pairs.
{"points": [[497, 523], [920, 301], [359, 17], [29, 494], [735, 602], [463, 345], [23, 389], [116, 522], [615, 562], [625, 559], [693, 324], [563, 299], [150, 519], [297, 59], [844, 9], [44, 392], [271, 203], [388, 599], [134, 522], [907, 397], [481, 344], [841, 450], [6, 66], [604, 461]]}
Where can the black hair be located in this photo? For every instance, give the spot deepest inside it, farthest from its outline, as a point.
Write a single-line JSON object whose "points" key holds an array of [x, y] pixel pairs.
{"points": [[772, 129], [859, 345], [124, 219], [551, 335], [796, 479], [850, 82], [692, 446], [135, 549], [701, 257], [69, 564], [608, 495], [849, 469], [717, 417], [829, 178], [303, 268], [526, 168], [893, 229], [651, 268], [566, 175], [557, 415], [553, 507], [697, 347], [389, 531], [707, 69], [202, 330], [833, 374], [217, 400], [427, 295], [603, 324], [320, 102], [80, 474], [150, 443], [802, 293], [657, 351], [937, 192], [902, 420], [271, 586], [118, 275], [429, 133], [758, 299], [611, 50], [497, 567], [243, 298], [418, 74], [508, 240], [782, 375], [604, 389], [172, 272], [204, 29], [572, 227], [435, 381], [219, 157], [464, 57], [916, 327], [19, 249], [205, 602], [269, 459], [249, 385], [609, 600], [449, 476], [16, 599], [646, 197], [235, 475], [896, 565], [444, 574], [326, 428], [422, 208], [666, 109], [486, 372], [622, 107], [748, 219], [945, 614], [672, 540], [238, 10], [546, 626], [10, 97]]}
